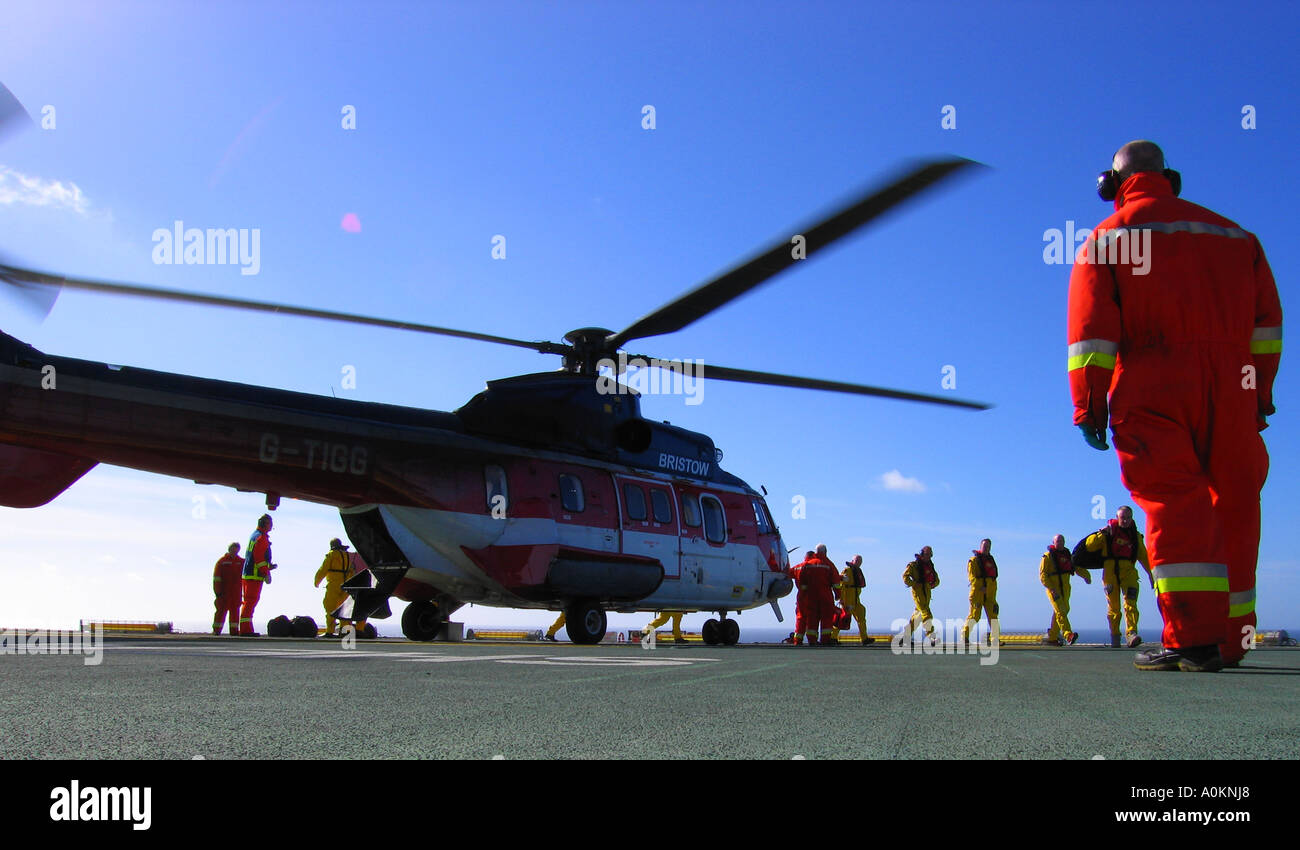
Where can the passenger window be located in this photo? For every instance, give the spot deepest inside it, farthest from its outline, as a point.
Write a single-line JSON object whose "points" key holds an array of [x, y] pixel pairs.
{"points": [[571, 494], [691, 510], [494, 479], [662, 509], [715, 520], [635, 498]]}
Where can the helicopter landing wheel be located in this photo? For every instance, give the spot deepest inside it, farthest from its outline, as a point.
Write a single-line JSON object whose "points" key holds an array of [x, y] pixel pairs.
{"points": [[585, 622], [421, 621], [711, 633], [730, 632]]}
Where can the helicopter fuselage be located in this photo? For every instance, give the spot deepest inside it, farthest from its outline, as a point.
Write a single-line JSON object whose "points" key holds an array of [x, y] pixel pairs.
{"points": [[540, 492]]}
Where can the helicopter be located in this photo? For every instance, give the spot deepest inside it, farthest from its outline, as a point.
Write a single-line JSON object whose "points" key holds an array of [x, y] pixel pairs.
{"points": [[546, 491]]}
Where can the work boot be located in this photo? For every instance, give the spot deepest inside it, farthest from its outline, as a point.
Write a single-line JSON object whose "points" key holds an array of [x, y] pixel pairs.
{"points": [[866, 639], [680, 640], [1114, 640], [1134, 640], [551, 638], [1071, 638], [1190, 659], [1051, 641]]}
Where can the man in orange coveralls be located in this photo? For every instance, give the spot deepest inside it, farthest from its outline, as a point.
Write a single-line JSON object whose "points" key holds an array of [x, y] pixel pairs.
{"points": [[1173, 309], [800, 602], [817, 578], [226, 588], [257, 569]]}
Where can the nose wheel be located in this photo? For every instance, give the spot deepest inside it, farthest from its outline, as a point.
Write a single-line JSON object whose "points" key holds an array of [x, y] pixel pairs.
{"points": [[725, 632]]}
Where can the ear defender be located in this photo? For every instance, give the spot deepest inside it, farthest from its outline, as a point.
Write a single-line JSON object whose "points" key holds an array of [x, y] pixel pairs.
{"points": [[1108, 183], [1175, 180]]}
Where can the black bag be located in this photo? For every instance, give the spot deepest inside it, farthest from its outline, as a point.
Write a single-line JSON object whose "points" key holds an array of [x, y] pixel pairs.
{"points": [[279, 627], [1081, 557], [303, 627]]}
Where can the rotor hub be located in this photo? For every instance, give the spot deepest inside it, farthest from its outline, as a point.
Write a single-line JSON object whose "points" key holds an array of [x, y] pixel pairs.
{"points": [[589, 347]]}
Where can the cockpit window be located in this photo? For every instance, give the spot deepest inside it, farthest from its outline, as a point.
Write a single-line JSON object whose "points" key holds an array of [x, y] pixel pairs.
{"points": [[761, 517]]}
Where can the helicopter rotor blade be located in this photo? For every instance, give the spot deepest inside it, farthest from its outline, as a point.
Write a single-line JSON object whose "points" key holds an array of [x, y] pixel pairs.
{"points": [[26, 278], [746, 376], [706, 298], [33, 299], [12, 114]]}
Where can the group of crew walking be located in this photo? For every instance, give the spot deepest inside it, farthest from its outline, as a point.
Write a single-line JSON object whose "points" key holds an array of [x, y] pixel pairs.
{"points": [[1116, 549]]}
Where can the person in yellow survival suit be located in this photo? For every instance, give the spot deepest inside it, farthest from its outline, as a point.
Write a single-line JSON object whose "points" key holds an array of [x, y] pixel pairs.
{"points": [[983, 572], [555, 627], [850, 589], [664, 616], [1120, 546], [921, 576], [334, 570], [1054, 572]]}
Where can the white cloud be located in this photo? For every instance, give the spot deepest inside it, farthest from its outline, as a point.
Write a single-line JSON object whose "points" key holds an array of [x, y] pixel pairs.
{"points": [[19, 188], [895, 480]]}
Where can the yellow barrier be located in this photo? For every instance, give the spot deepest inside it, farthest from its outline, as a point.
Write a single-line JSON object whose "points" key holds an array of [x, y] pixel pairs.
{"points": [[493, 634], [1274, 638], [127, 627], [637, 635]]}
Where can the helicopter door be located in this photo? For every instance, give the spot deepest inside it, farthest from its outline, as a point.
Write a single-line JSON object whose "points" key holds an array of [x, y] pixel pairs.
{"points": [[708, 563], [586, 513], [649, 522]]}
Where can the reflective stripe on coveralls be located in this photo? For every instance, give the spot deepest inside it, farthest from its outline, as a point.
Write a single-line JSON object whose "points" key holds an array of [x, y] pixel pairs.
{"points": [[1091, 352], [1266, 341]]}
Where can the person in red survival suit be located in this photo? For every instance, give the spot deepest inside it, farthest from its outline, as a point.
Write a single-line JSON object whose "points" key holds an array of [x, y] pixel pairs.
{"points": [[800, 599], [817, 580], [257, 569], [226, 578], [1174, 311]]}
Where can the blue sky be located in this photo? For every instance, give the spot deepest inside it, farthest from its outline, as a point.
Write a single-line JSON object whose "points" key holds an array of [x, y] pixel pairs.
{"points": [[481, 119]]}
